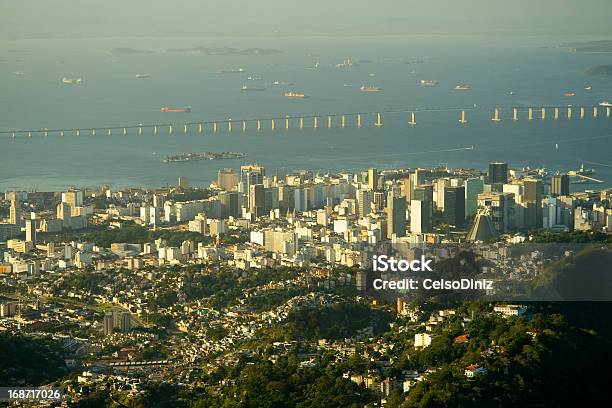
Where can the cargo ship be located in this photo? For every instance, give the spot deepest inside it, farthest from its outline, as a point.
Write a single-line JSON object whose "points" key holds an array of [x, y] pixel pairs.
{"points": [[72, 80], [428, 82], [605, 104], [367, 88], [170, 109], [295, 95], [462, 87], [184, 157], [252, 88], [281, 83], [142, 76]]}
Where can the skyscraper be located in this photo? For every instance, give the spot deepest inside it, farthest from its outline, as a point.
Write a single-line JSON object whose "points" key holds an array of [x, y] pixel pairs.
{"points": [[473, 187], [227, 179], [420, 217], [500, 207], [498, 173], [560, 185], [108, 323], [250, 175], [230, 204], [532, 199], [257, 198], [396, 216], [365, 198], [454, 205], [373, 179], [31, 231], [15, 212]]}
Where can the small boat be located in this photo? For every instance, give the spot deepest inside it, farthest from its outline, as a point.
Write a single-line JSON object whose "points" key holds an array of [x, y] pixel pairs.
{"points": [[19, 73], [142, 76], [428, 82], [252, 88], [367, 88], [72, 80], [569, 94], [170, 109], [588, 88], [605, 104], [462, 87], [295, 95]]}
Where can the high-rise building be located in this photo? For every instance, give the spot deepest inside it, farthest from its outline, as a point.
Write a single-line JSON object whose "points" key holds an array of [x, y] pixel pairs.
{"points": [[125, 324], [108, 323], [498, 173], [420, 217], [230, 204], [473, 187], [532, 200], [365, 198], [15, 212], [31, 231], [560, 185], [373, 179], [500, 207], [407, 186], [250, 175], [257, 199], [74, 198], [439, 185], [454, 205], [227, 179], [396, 216]]}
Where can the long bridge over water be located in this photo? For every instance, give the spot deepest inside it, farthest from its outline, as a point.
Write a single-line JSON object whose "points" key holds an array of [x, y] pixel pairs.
{"points": [[327, 120]]}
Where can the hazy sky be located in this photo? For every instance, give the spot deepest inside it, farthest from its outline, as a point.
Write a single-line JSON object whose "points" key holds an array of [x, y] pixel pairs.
{"points": [[95, 18]]}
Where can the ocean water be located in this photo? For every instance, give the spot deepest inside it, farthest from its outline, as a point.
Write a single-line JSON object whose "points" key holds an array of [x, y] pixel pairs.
{"points": [[535, 69]]}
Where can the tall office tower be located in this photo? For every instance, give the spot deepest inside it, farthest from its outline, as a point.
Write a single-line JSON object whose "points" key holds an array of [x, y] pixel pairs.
{"points": [[31, 231], [270, 198], [250, 175], [454, 205], [473, 187], [257, 199], [420, 217], [108, 323], [373, 179], [365, 198], [125, 324], [498, 173], [286, 198], [425, 193], [407, 185], [500, 207], [396, 216], [379, 201], [532, 199], [440, 185], [74, 198], [227, 179], [15, 212], [560, 185], [230, 204]]}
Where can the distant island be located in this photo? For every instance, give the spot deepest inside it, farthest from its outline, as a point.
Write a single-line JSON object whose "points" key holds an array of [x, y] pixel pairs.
{"points": [[225, 51], [183, 157], [129, 51], [598, 70], [590, 46]]}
